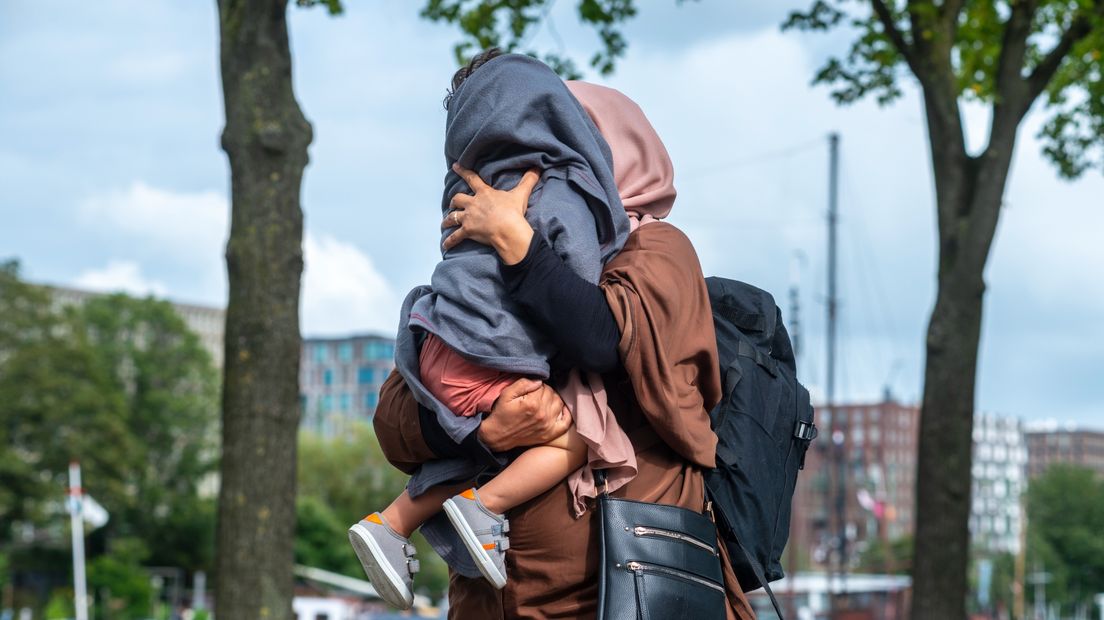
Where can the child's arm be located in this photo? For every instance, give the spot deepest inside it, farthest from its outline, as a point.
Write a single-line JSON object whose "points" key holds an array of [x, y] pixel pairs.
{"points": [[534, 471]]}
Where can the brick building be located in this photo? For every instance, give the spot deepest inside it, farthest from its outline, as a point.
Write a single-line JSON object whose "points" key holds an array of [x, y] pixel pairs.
{"points": [[1048, 444], [879, 442]]}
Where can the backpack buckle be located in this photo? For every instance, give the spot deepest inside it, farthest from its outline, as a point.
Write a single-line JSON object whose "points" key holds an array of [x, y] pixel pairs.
{"points": [[805, 431]]}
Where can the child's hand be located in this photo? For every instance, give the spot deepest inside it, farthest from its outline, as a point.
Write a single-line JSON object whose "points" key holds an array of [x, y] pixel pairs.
{"points": [[492, 217]]}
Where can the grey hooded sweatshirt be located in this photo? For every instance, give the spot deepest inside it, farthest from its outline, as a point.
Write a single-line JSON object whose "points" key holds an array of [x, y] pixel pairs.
{"points": [[512, 114]]}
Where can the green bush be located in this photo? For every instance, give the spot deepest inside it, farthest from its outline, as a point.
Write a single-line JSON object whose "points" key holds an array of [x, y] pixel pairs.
{"points": [[119, 573]]}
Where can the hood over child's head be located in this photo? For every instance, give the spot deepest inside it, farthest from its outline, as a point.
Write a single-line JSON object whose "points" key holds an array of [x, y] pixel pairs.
{"points": [[509, 113]]}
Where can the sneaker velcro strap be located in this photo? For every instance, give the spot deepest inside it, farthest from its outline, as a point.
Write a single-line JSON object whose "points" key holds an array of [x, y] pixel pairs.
{"points": [[409, 550], [502, 544], [413, 566], [499, 529]]}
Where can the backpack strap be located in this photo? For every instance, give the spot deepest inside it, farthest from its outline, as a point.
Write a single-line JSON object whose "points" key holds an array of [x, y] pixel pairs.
{"points": [[755, 566], [766, 361], [762, 579]]}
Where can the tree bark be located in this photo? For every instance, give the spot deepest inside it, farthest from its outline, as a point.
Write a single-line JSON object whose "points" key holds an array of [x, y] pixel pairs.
{"points": [[265, 138], [969, 193]]}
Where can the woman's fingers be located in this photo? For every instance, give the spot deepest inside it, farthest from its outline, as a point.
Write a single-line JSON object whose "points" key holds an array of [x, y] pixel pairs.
{"points": [[528, 181], [452, 220], [454, 239], [461, 201], [520, 388], [471, 178]]}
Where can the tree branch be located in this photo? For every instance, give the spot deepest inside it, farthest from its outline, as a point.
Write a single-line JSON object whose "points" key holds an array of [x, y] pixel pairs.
{"points": [[949, 13], [885, 16], [1040, 77], [1011, 101]]}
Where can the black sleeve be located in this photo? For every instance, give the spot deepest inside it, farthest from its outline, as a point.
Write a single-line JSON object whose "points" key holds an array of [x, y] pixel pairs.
{"points": [[573, 312]]}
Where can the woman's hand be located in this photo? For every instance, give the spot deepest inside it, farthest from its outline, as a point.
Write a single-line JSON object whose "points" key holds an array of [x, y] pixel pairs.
{"points": [[492, 217], [527, 413]]}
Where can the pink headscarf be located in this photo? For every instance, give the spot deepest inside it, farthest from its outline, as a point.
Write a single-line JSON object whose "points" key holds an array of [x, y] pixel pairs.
{"points": [[641, 166], [645, 180]]}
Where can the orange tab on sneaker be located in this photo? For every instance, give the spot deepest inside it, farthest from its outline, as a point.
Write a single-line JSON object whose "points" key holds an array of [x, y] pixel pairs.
{"points": [[469, 494], [374, 518]]}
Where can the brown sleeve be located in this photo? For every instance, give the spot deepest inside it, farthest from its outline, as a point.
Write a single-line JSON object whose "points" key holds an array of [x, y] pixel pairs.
{"points": [[657, 293], [398, 427]]}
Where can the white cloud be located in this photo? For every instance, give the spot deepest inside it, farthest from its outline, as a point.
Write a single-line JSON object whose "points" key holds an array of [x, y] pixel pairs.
{"points": [[343, 292], [120, 276], [177, 222], [183, 235]]}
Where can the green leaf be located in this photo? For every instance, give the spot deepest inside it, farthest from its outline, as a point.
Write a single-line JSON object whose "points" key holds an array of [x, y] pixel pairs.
{"points": [[511, 24]]}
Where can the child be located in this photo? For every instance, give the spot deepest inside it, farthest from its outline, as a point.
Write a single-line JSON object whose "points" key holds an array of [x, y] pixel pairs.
{"points": [[507, 114]]}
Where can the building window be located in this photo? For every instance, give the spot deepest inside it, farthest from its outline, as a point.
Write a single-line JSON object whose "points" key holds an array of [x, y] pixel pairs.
{"points": [[319, 352], [366, 376], [345, 351], [379, 350], [327, 403], [327, 377], [346, 402], [370, 400]]}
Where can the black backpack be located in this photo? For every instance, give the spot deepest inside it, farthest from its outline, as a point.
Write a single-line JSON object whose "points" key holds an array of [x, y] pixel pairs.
{"points": [[764, 425]]}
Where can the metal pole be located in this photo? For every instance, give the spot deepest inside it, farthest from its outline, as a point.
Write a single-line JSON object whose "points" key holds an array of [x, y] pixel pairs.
{"points": [[76, 520], [838, 426], [795, 337]]}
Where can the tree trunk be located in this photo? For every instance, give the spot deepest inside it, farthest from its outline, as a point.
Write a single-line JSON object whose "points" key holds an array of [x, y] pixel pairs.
{"points": [[265, 138], [969, 193]]}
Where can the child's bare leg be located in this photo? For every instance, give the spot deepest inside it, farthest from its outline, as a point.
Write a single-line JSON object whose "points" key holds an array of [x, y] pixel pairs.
{"points": [[407, 514], [537, 469]]}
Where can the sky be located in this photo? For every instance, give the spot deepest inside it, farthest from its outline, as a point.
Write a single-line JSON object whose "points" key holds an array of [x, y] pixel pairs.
{"points": [[112, 179]]}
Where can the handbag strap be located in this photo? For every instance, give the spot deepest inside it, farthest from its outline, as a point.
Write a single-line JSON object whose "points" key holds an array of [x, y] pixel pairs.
{"points": [[600, 482]]}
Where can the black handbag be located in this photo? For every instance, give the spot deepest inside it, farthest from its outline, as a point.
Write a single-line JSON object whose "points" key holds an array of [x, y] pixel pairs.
{"points": [[657, 562]]}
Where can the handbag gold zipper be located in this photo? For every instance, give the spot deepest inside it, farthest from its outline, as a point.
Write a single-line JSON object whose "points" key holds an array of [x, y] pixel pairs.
{"points": [[640, 568], [640, 530]]}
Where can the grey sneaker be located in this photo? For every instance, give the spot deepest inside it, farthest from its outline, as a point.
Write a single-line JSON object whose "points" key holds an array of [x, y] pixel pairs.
{"points": [[387, 558], [483, 533]]}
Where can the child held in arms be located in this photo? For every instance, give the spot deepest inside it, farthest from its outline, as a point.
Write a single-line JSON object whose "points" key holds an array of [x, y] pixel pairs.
{"points": [[463, 340]]}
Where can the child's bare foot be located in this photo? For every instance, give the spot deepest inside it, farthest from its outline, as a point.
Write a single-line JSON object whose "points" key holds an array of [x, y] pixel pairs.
{"points": [[491, 500], [394, 518]]}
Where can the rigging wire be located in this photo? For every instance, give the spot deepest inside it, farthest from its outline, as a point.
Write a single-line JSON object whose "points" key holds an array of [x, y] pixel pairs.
{"points": [[756, 159]]}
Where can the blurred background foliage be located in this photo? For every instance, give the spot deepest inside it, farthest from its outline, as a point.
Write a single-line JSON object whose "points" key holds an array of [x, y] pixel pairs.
{"points": [[120, 384]]}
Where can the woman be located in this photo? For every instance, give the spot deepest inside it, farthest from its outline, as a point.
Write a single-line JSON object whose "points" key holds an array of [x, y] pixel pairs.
{"points": [[651, 307]]}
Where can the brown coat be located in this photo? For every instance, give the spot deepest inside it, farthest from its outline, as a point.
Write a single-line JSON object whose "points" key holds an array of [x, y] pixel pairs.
{"points": [[657, 294]]}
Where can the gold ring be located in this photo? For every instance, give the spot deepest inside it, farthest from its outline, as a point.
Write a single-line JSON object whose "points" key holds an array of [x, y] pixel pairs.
{"points": [[456, 217]]}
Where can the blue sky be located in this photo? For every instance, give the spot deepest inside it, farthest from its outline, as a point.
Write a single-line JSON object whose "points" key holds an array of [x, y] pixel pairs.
{"points": [[112, 178]]}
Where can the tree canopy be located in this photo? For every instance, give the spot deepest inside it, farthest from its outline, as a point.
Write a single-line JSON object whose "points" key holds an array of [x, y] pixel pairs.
{"points": [[1065, 515], [340, 481], [511, 25], [1006, 53], [123, 386]]}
